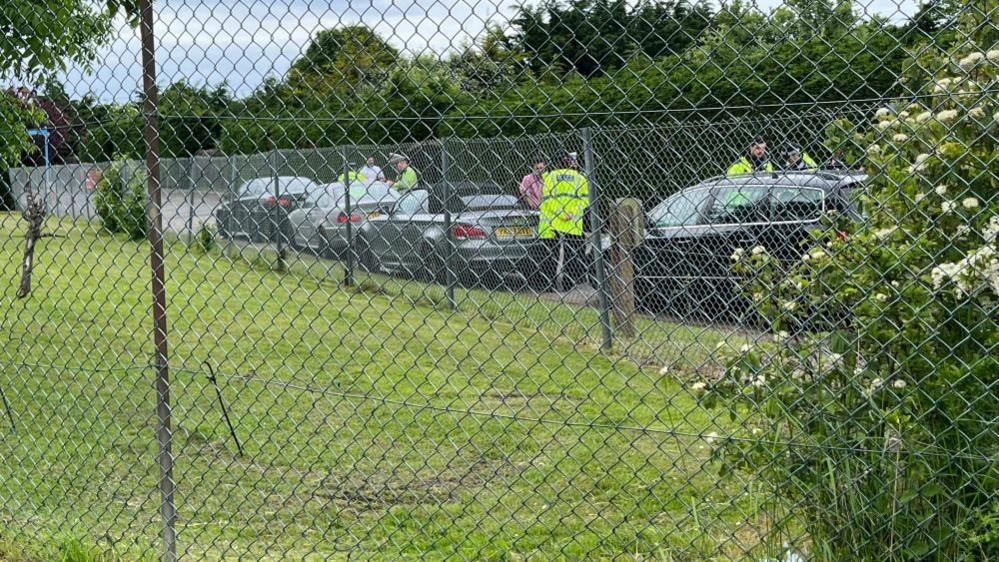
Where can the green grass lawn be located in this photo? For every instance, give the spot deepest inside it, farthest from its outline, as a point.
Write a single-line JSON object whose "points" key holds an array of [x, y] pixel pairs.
{"points": [[375, 420]]}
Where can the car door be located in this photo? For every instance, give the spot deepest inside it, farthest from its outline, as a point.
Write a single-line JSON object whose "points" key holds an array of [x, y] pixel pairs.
{"points": [[413, 232], [736, 217], [664, 261], [386, 232], [794, 212], [321, 209]]}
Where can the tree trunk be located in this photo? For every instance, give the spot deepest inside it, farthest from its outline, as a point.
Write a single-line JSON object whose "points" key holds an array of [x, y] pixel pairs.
{"points": [[34, 213]]}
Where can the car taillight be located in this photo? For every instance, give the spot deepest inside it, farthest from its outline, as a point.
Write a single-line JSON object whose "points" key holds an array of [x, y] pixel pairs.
{"points": [[284, 202], [269, 200], [463, 231], [342, 218]]}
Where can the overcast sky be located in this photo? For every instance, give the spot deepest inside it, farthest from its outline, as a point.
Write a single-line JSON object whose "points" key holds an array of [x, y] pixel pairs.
{"points": [[242, 41]]}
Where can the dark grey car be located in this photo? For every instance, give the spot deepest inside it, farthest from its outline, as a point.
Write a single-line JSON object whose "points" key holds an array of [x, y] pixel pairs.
{"points": [[321, 224], [259, 210], [492, 233], [684, 263]]}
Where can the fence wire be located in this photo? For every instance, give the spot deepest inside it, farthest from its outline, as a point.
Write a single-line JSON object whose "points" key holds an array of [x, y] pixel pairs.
{"points": [[657, 280]]}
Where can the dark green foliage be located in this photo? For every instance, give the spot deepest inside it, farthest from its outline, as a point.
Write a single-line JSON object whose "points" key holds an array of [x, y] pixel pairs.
{"points": [[120, 201]]}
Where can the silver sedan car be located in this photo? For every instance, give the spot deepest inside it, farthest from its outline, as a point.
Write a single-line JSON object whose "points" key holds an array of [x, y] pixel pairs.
{"points": [[321, 225], [492, 235]]}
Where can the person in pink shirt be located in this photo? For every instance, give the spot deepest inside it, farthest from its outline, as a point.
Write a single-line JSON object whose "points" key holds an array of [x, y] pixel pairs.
{"points": [[531, 185]]}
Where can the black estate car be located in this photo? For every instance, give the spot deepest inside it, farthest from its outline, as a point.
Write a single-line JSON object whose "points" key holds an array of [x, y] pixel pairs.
{"points": [[685, 261]]}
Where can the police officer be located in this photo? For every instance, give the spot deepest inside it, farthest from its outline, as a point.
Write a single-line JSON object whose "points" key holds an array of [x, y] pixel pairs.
{"points": [[755, 160], [795, 159], [565, 202], [406, 178], [355, 177]]}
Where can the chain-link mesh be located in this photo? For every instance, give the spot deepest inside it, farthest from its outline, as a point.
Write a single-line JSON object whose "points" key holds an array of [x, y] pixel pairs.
{"points": [[424, 280]]}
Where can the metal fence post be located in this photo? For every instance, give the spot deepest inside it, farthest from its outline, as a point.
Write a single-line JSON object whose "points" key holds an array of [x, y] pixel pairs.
{"points": [[164, 436], [450, 279], [277, 224], [190, 198], [596, 242], [348, 278]]}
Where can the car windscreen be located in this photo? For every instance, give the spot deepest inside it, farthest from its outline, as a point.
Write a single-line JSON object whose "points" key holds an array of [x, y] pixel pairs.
{"points": [[295, 185], [286, 184], [681, 209], [257, 187]]}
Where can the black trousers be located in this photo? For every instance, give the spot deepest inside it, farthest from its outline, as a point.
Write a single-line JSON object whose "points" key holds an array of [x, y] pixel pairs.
{"points": [[562, 263]]}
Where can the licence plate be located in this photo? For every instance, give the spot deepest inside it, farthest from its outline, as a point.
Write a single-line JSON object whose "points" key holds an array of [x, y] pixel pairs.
{"points": [[514, 232], [374, 215]]}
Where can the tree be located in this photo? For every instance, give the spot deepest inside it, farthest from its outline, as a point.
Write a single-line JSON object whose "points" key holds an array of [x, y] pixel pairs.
{"points": [[36, 40], [341, 61], [492, 65], [592, 37], [192, 118]]}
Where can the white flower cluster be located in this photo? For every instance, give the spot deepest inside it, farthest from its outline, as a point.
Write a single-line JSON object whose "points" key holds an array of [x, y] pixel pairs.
{"points": [[991, 230], [737, 254], [883, 233], [972, 59], [829, 362], [976, 113], [947, 115], [979, 270], [920, 163], [883, 113], [941, 86]]}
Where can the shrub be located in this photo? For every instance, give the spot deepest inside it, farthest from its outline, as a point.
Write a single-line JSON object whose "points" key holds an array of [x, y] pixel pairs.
{"points": [[875, 402], [121, 202], [204, 239]]}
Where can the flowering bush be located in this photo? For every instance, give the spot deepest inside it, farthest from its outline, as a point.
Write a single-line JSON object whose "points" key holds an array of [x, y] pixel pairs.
{"points": [[876, 397], [121, 203]]}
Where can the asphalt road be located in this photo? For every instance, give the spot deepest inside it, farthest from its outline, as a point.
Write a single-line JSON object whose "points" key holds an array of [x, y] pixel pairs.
{"points": [[179, 207]]}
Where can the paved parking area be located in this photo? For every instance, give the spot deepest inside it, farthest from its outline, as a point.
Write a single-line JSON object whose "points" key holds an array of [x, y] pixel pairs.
{"points": [[180, 207]]}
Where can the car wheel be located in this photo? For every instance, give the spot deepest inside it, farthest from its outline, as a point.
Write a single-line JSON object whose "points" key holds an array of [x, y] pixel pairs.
{"points": [[222, 223], [365, 259], [325, 249], [433, 270]]}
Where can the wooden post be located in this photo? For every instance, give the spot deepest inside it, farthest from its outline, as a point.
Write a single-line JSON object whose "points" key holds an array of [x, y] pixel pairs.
{"points": [[627, 230]]}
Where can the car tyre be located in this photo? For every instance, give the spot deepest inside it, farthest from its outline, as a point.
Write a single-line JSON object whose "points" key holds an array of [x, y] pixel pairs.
{"points": [[434, 269], [365, 259]]}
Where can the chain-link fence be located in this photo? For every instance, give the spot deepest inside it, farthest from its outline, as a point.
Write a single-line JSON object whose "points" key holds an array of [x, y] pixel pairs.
{"points": [[590, 280]]}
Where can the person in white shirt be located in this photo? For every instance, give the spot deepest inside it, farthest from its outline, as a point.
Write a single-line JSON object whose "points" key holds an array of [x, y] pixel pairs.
{"points": [[372, 172]]}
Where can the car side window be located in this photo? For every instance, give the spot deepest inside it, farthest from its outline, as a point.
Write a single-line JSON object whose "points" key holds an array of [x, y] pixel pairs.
{"points": [[738, 204], [796, 204], [681, 209]]}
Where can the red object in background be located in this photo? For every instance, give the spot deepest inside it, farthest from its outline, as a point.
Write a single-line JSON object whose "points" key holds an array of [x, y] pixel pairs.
{"points": [[93, 176]]}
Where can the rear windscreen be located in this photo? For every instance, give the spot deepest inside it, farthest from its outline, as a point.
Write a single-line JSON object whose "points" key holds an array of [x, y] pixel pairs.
{"points": [[490, 202]]}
